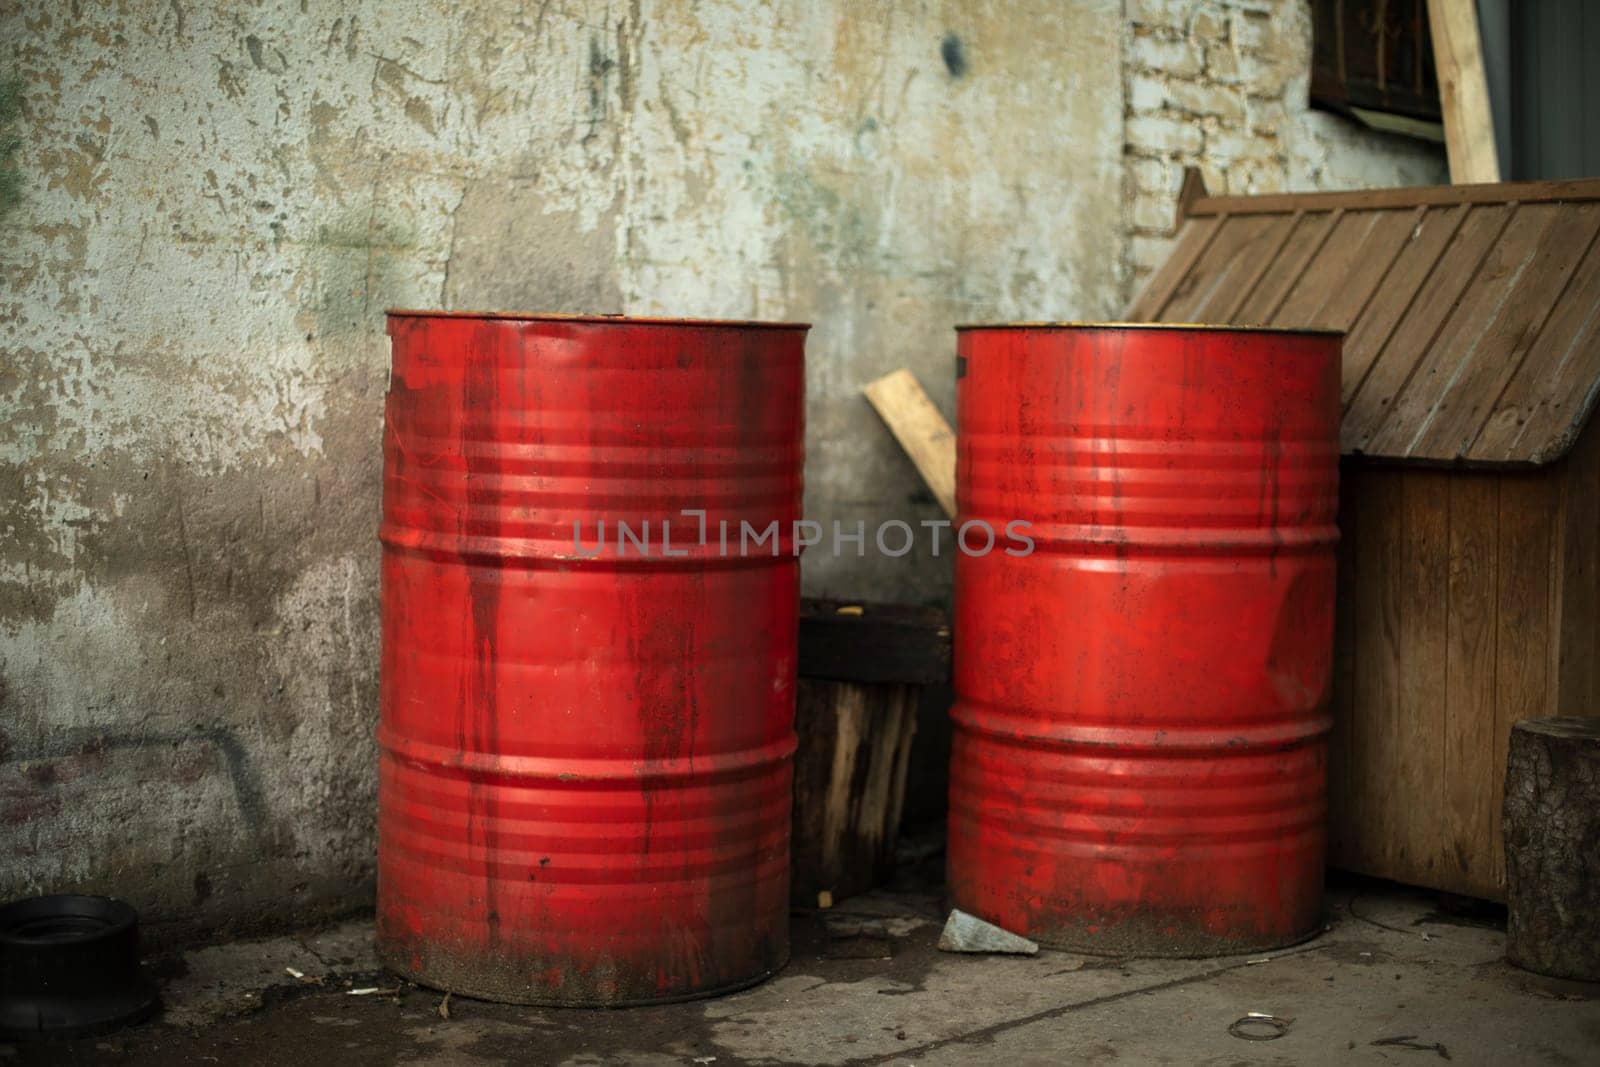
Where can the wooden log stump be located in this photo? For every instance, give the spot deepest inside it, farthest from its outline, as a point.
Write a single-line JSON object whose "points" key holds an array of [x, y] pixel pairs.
{"points": [[862, 667], [1552, 843]]}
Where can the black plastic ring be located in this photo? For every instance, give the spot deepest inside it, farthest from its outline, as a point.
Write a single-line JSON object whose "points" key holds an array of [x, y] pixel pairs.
{"points": [[69, 967]]}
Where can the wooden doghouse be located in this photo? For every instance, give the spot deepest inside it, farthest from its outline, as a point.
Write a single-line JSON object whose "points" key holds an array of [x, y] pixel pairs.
{"points": [[1470, 505]]}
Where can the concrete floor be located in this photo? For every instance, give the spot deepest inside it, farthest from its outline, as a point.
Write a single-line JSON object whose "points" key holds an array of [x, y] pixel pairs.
{"points": [[1392, 980]]}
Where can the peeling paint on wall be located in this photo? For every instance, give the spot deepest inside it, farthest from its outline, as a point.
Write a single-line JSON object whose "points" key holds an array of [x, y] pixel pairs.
{"points": [[10, 111], [216, 203]]}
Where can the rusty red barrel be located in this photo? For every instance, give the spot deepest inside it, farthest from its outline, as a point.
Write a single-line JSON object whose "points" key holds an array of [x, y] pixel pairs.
{"points": [[586, 730], [1139, 762]]}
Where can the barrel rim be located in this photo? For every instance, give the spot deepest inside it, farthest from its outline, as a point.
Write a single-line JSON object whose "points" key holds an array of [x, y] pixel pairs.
{"points": [[617, 319], [1209, 327]]}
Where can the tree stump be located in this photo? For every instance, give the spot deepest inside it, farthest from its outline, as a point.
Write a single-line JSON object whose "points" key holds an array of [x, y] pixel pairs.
{"points": [[862, 667], [1552, 840]]}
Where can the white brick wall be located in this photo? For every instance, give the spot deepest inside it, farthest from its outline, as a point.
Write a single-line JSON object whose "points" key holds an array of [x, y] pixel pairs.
{"points": [[1222, 85]]}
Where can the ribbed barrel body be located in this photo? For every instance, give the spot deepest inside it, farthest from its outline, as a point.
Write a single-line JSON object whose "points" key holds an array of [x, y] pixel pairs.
{"points": [[1139, 759], [586, 707]]}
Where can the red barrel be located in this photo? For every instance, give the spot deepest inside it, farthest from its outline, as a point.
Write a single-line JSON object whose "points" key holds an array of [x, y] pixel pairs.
{"points": [[1139, 761], [586, 733]]}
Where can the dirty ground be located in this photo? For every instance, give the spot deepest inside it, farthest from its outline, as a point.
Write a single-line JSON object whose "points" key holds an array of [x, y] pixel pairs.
{"points": [[1392, 980]]}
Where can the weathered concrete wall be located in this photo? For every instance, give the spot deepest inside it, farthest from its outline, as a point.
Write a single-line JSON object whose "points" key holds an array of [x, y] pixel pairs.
{"points": [[217, 202]]}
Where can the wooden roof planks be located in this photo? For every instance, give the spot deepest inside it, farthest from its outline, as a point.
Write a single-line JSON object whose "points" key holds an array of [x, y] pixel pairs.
{"points": [[1471, 313]]}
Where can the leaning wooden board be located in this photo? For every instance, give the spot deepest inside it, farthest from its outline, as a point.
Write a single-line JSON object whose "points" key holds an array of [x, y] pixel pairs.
{"points": [[921, 430]]}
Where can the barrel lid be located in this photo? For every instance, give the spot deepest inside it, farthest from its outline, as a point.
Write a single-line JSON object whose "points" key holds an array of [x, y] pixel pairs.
{"points": [[619, 318], [1181, 326]]}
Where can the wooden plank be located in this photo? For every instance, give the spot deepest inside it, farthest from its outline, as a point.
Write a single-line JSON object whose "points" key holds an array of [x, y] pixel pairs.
{"points": [[1192, 189], [1300, 247], [921, 430], [1302, 294], [1450, 352], [1552, 390], [1401, 197], [849, 785], [1192, 240], [1577, 644], [1553, 477], [1469, 698], [1222, 268], [1593, 622], [1522, 619], [1491, 352], [1463, 92], [1268, 266], [1543, 296], [1423, 586], [1435, 299], [1359, 254], [1418, 257], [1376, 711]]}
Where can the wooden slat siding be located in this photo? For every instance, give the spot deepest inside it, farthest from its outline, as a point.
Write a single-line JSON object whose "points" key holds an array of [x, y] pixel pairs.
{"points": [[1395, 363], [1333, 257], [1567, 349], [1454, 598], [1374, 751], [1300, 248], [1558, 539], [1405, 196], [1571, 392], [1227, 261], [1429, 373], [1593, 555], [1191, 241], [1593, 488], [1358, 264], [1469, 693], [1424, 245], [1463, 412], [1284, 228], [1523, 619], [1502, 264], [1577, 645], [1488, 354], [1561, 368], [1423, 586]]}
